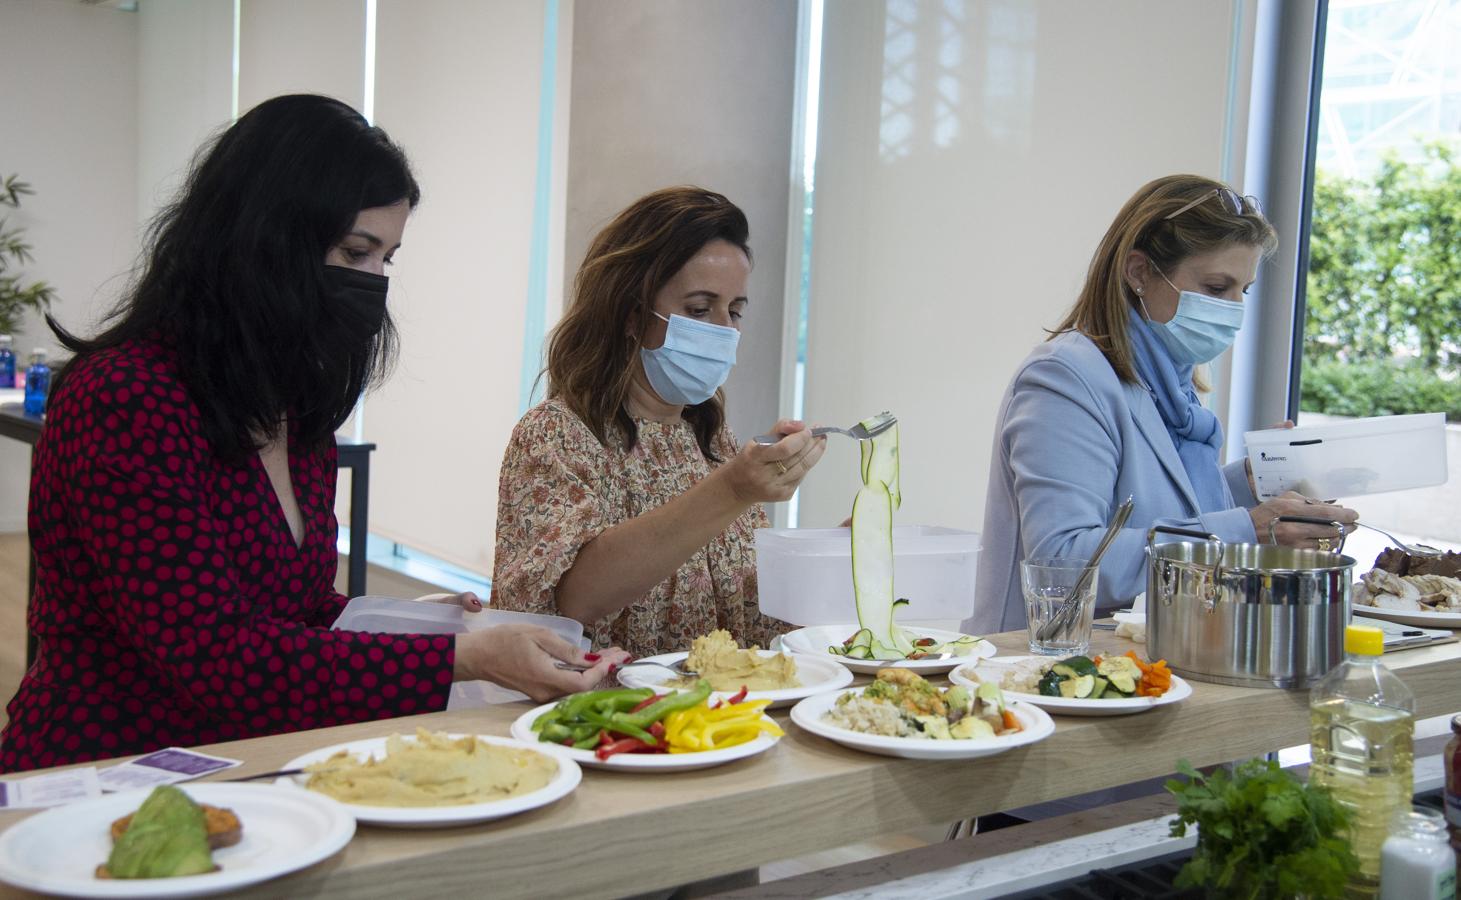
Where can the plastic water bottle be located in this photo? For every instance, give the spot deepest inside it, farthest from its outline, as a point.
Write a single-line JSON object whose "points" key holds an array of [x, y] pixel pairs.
{"points": [[1362, 731], [7, 362], [37, 383]]}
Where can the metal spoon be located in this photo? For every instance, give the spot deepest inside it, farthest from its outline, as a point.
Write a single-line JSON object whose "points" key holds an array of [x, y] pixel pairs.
{"points": [[1071, 609]]}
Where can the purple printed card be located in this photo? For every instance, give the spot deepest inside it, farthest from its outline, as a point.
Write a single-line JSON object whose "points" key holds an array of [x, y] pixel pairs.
{"points": [[168, 766]]}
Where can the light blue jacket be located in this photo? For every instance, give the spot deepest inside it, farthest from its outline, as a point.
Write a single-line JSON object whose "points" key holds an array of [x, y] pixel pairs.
{"points": [[1072, 442]]}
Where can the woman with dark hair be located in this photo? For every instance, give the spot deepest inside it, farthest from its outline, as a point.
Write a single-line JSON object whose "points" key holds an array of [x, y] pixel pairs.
{"points": [[1108, 407], [624, 501], [183, 491]]}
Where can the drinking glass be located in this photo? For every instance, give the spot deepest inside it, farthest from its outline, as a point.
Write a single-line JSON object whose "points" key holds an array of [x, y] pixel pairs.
{"points": [[1047, 583]]}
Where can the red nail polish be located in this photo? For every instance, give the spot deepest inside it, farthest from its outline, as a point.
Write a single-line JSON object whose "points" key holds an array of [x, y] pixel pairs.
{"points": [[591, 657], [629, 659], [613, 667]]}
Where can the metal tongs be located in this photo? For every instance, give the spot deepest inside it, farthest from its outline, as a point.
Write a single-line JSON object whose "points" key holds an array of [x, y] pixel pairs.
{"points": [[1061, 620]]}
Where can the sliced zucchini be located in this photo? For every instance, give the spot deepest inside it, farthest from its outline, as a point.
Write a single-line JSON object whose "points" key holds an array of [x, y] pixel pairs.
{"points": [[1080, 665], [1064, 670], [872, 570], [881, 463], [1084, 685], [1100, 689], [1050, 684], [1123, 673], [1067, 688]]}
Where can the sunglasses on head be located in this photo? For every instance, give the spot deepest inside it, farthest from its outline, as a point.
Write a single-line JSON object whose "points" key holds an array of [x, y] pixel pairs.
{"points": [[1232, 202]]}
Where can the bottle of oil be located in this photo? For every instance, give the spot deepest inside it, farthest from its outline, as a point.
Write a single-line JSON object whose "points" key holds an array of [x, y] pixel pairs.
{"points": [[1362, 720]]}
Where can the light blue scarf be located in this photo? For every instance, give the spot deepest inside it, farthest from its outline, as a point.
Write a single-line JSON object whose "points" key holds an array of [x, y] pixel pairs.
{"points": [[1195, 429]]}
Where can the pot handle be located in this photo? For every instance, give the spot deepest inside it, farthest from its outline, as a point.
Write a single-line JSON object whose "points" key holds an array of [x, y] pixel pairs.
{"points": [[1217, 566], [1307, 520]]}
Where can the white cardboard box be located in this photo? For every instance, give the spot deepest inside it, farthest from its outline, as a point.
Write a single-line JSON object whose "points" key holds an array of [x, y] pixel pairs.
{"points": [[1347, 459]]}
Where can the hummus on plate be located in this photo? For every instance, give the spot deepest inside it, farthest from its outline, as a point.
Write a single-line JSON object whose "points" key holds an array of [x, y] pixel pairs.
{"points": [[729, 668], [432, 769]]}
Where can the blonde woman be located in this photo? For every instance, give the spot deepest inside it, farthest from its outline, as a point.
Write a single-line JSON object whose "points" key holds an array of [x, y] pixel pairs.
{"points": [[624, 500], [1108, 407]]}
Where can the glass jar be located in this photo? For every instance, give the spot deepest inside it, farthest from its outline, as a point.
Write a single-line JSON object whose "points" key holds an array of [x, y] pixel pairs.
{"points": [[1451, 759], [1416, 862]]}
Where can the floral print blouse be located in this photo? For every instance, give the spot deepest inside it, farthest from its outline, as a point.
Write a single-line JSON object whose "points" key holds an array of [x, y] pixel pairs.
{"points": [[560, 488]]}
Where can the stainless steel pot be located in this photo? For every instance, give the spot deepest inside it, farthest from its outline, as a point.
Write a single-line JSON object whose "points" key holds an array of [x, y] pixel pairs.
{"points": [[1257, 615]]}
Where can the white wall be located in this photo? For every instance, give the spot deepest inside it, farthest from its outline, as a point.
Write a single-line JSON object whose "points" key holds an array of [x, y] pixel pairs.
{"points": [[184, 90], [971, 154], [290, 47], [69, 114], [691, 93]]}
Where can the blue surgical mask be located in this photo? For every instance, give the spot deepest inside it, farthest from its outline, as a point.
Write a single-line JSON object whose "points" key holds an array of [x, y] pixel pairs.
{"points": [[694, 361], [1202, 328]]}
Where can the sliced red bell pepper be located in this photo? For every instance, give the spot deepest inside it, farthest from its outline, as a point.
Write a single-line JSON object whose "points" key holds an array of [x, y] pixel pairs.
{"points": [[627, 745], [658, 730], [737, 697], [654, 698]]}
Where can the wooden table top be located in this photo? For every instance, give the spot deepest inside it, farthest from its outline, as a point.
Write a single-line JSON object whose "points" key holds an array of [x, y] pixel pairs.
{"points": [[621, 833]]}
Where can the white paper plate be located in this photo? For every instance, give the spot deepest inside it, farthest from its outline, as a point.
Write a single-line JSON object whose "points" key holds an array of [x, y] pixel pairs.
{"points": [[444, 816], [57, 851], [1422, 619], [815, 640], [1179, 691], [808, 714], [815, 674], [522, 729]]}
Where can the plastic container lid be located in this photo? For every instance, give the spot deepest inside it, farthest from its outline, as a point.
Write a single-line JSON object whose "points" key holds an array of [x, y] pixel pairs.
{"points": [[1364, 640]]}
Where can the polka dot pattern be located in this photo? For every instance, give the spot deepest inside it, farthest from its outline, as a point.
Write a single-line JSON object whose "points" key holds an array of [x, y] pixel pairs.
{"points": [[172, 604]]}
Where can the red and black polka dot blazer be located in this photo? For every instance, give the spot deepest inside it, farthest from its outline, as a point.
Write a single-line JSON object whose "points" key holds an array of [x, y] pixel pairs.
{"points": [[171, 603]]}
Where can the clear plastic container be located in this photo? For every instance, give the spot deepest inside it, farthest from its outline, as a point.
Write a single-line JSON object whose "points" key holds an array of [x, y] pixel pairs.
{"points": [[1362, 720], [386, 615], [804, 575]]}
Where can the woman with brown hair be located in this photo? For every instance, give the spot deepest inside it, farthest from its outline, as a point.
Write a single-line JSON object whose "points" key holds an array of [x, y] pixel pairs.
{"points": [[624, 501], [1108, 408]]}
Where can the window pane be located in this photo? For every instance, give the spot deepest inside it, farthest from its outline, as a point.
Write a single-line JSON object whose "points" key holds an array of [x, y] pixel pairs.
{"points": [[1383, 328]]}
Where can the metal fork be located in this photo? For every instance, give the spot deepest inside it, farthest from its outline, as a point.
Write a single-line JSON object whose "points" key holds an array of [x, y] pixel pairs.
{"points": [[678, 668], [880, 423], [1412, 549]]}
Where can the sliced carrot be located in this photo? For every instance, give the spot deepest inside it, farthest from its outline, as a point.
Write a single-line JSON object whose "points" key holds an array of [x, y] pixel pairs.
{"points": [[1010, 722]]}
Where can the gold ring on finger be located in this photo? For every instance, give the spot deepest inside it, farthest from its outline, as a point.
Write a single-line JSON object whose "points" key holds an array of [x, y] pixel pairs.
{"points": [[1323, 544], [781, 466]]}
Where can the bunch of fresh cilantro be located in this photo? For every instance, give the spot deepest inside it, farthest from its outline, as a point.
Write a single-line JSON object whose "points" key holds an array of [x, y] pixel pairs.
{"points": [[1261, 833]]}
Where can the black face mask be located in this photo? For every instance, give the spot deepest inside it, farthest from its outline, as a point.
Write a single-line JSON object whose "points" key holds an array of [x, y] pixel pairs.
{"points": [[357, 301]]}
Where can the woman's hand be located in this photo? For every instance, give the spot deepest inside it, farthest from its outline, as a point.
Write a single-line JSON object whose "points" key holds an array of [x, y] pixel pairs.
{"points": [[523, 658], [763, 473], [466, 600], [1294, 534]]}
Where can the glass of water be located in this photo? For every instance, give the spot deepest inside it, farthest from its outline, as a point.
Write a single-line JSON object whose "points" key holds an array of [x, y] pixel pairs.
{"points": [[1047, 583]]}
